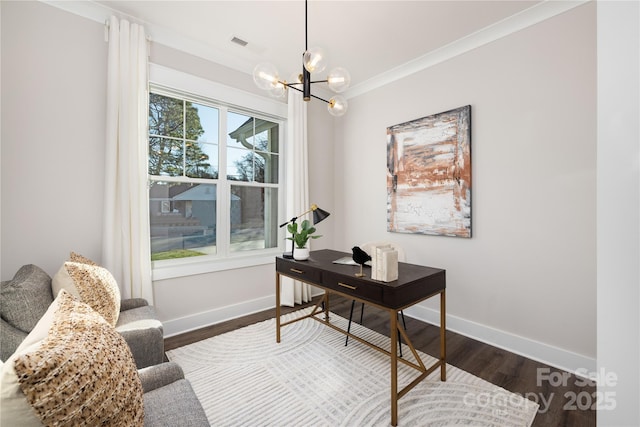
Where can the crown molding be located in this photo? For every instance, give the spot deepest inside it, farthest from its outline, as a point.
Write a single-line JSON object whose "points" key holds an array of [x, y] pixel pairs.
{"points": [[526, 18]]}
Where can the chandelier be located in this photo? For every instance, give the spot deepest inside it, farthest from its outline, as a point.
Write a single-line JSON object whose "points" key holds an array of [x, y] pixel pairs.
{"points": [[266, 77]]}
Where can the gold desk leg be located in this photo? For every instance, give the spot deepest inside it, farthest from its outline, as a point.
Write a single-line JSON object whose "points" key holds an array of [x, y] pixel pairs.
{"points": [[443, 339], [326, 306], [277, 307], [393, 331]]}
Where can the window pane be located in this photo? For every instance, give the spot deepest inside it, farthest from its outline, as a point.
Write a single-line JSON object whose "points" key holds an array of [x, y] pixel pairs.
{"points": [[166, 116], [239, 164], [182, 219], [267, 136], [266, 168], [208, 118], [254, 213], [240, 128], [202, 160], [252, 133], [252, 147], [166, 157]]}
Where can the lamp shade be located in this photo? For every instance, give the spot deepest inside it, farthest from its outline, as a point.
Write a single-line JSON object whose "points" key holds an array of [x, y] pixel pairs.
{"points": [[277, 90], [319, 215], [265, 75], [339, 79], [315, 60], [337, 105]]}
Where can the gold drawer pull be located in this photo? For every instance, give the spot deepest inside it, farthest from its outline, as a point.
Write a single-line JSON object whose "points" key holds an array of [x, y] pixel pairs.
{"points": [[295, 270], [346, 286]]}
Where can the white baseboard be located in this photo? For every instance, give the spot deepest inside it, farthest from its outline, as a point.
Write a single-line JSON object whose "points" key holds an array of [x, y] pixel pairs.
{"points": [[218, 315], [544, 353], [207, 318], [531, 349]]}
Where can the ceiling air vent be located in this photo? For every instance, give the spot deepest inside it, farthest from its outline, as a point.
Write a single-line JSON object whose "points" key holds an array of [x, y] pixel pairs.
{"points": [[239, 41]]}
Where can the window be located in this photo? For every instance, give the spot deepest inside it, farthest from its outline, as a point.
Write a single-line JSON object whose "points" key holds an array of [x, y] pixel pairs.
{"points": [[214, 179]]}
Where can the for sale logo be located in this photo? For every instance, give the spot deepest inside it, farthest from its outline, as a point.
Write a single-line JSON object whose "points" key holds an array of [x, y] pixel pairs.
{"points": [[574, 400], [582, 400]]}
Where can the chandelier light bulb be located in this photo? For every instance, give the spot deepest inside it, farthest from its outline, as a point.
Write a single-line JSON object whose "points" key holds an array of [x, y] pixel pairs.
{"points": [[277, 90], [315, 60], [337, 105], [265, 75], [339, 80]]}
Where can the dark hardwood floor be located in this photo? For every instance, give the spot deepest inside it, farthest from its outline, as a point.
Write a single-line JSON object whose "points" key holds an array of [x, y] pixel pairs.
{"points": [[564, 399]]}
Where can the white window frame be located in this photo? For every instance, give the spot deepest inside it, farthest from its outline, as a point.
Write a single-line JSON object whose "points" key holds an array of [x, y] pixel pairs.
{"points": [[171, 82]]}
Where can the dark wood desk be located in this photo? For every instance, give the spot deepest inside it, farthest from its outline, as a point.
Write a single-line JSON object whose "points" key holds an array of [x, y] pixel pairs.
{"points": [[415, 283]]}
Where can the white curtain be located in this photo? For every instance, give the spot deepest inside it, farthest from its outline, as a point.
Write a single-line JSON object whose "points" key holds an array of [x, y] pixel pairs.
{"points": [[126, 251], [297, 188]]}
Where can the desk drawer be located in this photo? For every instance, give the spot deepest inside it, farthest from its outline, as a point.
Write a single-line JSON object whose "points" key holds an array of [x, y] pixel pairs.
{"points": [[298, 270], [353, 286]]}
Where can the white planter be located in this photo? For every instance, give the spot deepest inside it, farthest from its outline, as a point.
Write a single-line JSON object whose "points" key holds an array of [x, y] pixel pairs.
{"points": [[300, 254]]}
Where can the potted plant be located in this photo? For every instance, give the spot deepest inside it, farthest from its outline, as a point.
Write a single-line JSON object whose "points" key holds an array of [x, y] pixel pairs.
{"points": [[300, 237]]}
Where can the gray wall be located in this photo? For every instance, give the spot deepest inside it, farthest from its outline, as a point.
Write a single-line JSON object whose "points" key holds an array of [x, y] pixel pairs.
{"points": [[53, 127], [529, 271]]}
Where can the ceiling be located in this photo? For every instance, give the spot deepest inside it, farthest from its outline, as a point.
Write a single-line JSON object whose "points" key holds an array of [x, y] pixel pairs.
{"points": [[367, 38]]}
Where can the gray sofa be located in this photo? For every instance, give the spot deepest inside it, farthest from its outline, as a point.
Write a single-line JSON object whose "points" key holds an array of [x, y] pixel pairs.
{"points": [[26, 297], [169, 399]]}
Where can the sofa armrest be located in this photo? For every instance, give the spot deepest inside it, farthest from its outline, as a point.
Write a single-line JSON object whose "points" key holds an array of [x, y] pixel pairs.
{"points": [[158, 376], [128, 304], [143, 332]]}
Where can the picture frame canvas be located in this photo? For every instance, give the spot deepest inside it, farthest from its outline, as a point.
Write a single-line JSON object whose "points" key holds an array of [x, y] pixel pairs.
{"points": [[429, 175]]}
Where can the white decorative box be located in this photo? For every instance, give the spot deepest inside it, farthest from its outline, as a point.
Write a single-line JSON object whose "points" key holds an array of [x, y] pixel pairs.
{"points": [[384, 263]]}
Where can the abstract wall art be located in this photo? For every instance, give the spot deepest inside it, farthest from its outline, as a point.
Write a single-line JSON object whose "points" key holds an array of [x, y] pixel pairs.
{"points": [[429, 175]]}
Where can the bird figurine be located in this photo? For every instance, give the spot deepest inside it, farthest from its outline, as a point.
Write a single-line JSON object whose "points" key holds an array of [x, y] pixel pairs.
{"points": [[360, 257]]}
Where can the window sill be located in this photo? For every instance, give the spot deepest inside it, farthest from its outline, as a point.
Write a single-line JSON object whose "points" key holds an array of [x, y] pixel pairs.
{"points": [[190, 268]]}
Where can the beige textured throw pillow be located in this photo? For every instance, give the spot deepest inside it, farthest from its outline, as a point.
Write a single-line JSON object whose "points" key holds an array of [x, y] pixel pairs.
{"points": [[81, 259], [92, 284], [82, 373], [14, 408]]}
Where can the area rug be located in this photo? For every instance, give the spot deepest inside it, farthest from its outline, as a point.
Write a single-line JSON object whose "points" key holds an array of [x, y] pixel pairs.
{"points": [[244, 378]]}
